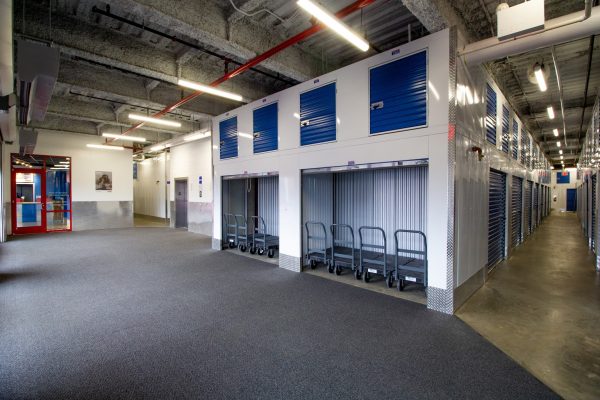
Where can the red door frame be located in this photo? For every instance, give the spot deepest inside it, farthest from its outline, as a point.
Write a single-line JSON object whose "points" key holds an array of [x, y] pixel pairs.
{"points": [[43, 228]]}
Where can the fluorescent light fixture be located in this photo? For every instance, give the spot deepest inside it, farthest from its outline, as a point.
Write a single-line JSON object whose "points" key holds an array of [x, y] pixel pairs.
{"points": [[196, 136], [539, 76], [64, 162], [334, 24], [157, 148], [105, 147], [560, 152], [557, 144], [209, 89], [152, 120], [124, 137], [550, 112], [555, 131]]}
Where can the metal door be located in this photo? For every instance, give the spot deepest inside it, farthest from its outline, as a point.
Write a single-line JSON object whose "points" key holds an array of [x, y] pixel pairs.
{"points": [[516, 211], [515, 140], [490, 118], [535, 208], [497, 217], [228, 136], [181, 203], [505, 129], [398, 94], [593, 211], [527, 207], [265, 128], [317, 115], [571, 199]]}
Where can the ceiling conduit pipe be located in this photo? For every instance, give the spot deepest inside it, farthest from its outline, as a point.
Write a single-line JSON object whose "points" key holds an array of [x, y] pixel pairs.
{"points": [[8, 111], [559, 30], [560, 93], [357, 5]]}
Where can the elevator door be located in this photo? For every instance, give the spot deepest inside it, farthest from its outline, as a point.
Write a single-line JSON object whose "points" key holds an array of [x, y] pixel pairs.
{"points": [[181, 203]]}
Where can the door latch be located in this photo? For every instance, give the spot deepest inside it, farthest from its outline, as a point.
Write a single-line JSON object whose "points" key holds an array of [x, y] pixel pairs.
{"points": [[306, 122], [256, 135], [377, 105]]}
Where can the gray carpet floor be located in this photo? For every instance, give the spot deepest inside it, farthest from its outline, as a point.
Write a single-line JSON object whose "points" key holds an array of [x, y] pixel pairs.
{"points": [[154, 313]]}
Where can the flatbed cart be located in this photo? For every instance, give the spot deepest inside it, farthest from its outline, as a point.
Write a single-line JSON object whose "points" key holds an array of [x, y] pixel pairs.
{"points": [[317, 250], [231, 231], [373, 257], [408, 268], [243, 238], [261, 241], [343, 253]]}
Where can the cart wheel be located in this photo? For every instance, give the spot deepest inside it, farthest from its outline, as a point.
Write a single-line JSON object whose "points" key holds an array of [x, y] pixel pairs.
{"points": [[231, 245], [261, 252], [252, 250], [357, 274], [390, 280], [330, 268], [271, 253], [338, 270], [243, 248], [313, 264], [367, 277], [400, 284]]}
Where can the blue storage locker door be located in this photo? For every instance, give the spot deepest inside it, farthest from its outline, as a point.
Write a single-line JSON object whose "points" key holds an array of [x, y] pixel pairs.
{"points": [[505, 129], [523, 147], [516, 211], [228, 136], [515, 140], [265, 128], [317, 115], [398, 94], [593, 230], [497, 217], [528, 192], [490, 117], [534, 214]]}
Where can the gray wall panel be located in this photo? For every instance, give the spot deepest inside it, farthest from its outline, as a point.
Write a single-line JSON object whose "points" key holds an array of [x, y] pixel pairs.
{"points": [[102, 215], [200, 217]]}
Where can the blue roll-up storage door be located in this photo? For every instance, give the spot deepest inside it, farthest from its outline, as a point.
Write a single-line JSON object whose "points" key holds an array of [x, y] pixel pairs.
{"points": [[505, 129], [490, 116], [524, 147], [228, 136], [516, 211], [398, 94], [527, 207], [265, 128], [317, 115], [593, 230], [536, 189], [515, 140], [497, 217]]}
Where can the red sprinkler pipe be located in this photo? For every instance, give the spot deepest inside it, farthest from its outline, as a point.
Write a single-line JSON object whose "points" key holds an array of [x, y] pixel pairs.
{"points": [[260, 58]]}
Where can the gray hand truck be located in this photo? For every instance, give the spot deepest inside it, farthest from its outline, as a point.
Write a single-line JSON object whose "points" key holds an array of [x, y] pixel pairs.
{"points": [[410, 269], [317, 250], [373, 257]]}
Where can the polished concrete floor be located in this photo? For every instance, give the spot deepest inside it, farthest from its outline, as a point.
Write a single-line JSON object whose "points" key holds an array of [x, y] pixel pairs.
{"points": [[146, 221], [542, 308]]}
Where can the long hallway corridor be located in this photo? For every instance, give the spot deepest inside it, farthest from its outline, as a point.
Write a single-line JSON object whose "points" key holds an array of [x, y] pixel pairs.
{"points": [[542, 308]]}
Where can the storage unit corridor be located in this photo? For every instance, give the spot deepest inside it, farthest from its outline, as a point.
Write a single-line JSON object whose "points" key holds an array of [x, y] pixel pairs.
{"points": [[369, 220], [251, 214]]}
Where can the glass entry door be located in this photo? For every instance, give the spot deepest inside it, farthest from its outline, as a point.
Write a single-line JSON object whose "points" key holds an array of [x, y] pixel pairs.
{"points": [[58, 204], [29, 201]]}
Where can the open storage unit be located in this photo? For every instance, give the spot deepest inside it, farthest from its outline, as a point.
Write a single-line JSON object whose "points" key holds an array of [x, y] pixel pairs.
{"points": [[370, 220], [251, 214]]}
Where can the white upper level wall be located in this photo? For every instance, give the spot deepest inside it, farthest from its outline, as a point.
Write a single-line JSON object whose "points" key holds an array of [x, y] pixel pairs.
{"points": [[193, 160]]}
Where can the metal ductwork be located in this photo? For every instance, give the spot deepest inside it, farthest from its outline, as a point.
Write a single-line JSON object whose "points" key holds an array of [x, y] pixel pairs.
{"points": [[37, 71], [8, 110], [27, 141], [559, 30]]}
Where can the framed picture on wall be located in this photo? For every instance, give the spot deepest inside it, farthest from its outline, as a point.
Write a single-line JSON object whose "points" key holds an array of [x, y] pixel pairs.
{"points": [[104, 181]]}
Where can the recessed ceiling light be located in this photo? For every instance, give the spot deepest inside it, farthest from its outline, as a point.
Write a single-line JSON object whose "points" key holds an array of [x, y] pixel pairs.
{"points": [[558, 144], [550, 112], [555, 131]]}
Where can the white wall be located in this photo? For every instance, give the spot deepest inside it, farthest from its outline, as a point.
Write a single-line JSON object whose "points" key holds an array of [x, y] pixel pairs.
{"points": [[191, 161], [353, 143], [150, 187], [560, 189]]}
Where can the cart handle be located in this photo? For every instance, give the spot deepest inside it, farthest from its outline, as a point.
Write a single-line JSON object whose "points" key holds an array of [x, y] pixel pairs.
{"points": [[398, 249]]}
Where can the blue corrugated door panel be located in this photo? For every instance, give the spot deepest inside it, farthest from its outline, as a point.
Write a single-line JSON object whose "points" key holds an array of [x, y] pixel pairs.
{"points": [[516, 208], [490, 115], [524, 148], [505, 127], [398, 94], [317, 115], [515, 140], [265, 128], [228, 137], [497, 217]]}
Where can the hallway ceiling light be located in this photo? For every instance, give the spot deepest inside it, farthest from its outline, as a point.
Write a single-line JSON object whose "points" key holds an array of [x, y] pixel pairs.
{"points": [[334, 24], [560, 152], [555, 131], [157, 121], [209, 89], [538, 70], [105, 147], [558, 144], [561, 157], [64, 162], [157, 148], [550, 112], [196, 136], [124, 137]]}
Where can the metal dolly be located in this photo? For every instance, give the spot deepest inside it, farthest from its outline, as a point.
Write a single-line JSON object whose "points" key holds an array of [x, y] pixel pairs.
{"points": [[231, 231], [243, 239], [410, 269], [319, 252], [343, 253], [261, 241], [374, 258]]}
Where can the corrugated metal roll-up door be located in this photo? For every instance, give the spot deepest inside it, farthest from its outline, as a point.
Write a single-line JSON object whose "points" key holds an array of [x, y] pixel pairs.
{"points": [[398, 94], [515, 140], [265, 128], [317, 115], [524, 148], [516, 211], [268, 203], [505, 129], [497, 217], [534, 212], [490, 116], [593, 210], [527, 207], [228, 136]]}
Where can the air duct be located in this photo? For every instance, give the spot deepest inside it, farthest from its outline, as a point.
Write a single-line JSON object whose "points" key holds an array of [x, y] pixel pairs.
{"points": [[8, 125]]}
